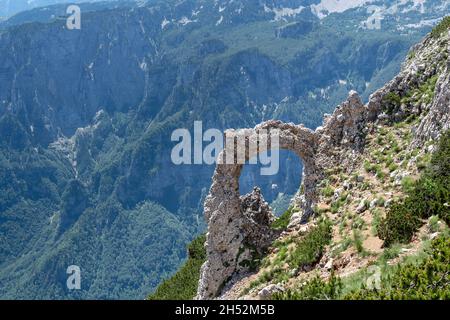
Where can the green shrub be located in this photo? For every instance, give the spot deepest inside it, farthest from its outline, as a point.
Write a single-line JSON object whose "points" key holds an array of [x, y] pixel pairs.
{"points": [[328, 191], [407, 184], [399, 225], [183, 285], [336, 205], [392, 167], [380, 173], [389, 160], [395, 147], [427, 89], [430, 197], [358, 223], [425, 280], [376, 221], [358, 241], [434, 224], [368, 166], [440, 161], [392, 252], [310, 248]]}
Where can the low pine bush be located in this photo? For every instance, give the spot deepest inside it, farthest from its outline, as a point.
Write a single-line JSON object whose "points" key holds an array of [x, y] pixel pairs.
{"points": [[399, 225], [282, 222], [429, 196], [310, 249]]}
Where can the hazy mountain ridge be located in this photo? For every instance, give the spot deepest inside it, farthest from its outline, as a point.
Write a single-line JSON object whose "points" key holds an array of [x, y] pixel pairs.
{"points": [[9, 8]]}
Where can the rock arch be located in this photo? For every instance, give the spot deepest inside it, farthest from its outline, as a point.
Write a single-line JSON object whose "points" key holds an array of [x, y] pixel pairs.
{"points": [[231, 223], [223, 206]]}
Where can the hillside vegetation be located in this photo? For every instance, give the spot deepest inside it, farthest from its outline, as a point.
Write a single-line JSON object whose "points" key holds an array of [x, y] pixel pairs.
{"points": [[183, 285]]}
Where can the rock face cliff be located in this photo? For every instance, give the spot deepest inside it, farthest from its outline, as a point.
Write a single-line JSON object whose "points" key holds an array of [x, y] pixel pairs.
{"points": [[421, 91]]}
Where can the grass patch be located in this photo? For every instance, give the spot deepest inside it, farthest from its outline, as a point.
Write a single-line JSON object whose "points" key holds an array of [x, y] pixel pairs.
{"points": [[392, 252], [376, 221], [392, 101], [315, 289], [328, 191]]}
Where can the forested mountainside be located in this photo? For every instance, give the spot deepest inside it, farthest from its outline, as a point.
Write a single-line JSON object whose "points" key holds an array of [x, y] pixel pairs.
{"points": [[374, 224], [86, 118]]}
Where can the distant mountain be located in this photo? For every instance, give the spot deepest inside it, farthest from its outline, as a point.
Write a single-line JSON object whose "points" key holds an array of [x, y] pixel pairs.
{"points": [[9, 8], [86, 118], [58, 11]]}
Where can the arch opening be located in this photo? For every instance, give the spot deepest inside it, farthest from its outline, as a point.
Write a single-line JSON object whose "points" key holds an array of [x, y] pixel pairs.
{"points": [[277, 189]]}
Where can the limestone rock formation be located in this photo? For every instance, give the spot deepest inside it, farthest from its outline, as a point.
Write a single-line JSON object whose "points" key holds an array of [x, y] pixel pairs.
{"points": [[227, 225]]}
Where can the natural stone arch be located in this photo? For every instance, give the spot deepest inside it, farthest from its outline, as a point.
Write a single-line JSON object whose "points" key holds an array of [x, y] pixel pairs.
{"points": [[223, 205], [339, 140]]}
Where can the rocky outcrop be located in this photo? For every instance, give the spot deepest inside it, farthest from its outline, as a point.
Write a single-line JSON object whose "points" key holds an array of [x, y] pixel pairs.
{"points": [[258, 218], [269, 291], [342, 135], [427, 60], [438, 119]]}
